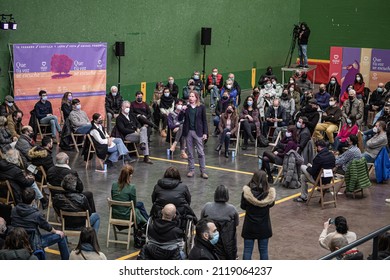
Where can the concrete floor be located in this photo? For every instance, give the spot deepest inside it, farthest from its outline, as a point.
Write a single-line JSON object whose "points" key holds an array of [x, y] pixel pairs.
{"points": [[296, 227]]}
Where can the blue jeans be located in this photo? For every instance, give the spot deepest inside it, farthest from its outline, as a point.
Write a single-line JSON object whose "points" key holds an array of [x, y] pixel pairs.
{"points": [[225, 138], [51, 239], [248, 248], [368, 158], [54, 126], [302, 52], [118, 150], [367, 135], [95, 221], [216, 121], [83, 129], [214, 93]]}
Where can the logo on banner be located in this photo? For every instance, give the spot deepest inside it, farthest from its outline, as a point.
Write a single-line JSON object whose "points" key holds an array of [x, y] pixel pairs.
{"points": [[79, 65], [99, 63], [374, 76], [336, 59], [43, 67]]}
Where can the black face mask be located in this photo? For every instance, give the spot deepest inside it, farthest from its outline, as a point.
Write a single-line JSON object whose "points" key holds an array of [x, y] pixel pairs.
{"points": [[322, 90], [139, 100], [386, 112], [229, 111], [225, 97], [99, 122], [351, 98], [31, 135], [284, 96], [18, 120]]}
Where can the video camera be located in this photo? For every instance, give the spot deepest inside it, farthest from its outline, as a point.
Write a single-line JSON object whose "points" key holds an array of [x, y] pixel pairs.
{"points": [[296, 30]]}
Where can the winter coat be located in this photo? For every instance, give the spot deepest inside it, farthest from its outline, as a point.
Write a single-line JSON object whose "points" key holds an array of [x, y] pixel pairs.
{"points": [[23, 145], [41, 157], [233, 124], [308, 152], [357, 176], [257, 222], [113, 104], [357, 109], [291, 169], [324, 159], [18, 254], [5, 137], [382, 166], [203, 250], [57, 173], [375, 144], [255, 115]]}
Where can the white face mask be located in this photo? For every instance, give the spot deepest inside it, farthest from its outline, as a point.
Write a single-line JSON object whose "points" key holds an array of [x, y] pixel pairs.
{"points": [[179, 107], [358, 79], [78, 107], [291, 89], [291, 81], [215, 73], [375, 130], [166, 94], [268, 85], [114, 94], [171, 82], [196, 77], [332, 103], [127, 110], [274, 82], [228, 86], [288, 134]]}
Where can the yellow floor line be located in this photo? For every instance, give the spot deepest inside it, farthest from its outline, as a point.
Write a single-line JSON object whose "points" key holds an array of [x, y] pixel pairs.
{"points": [[52, 251], [129, 256], [250, 155]]}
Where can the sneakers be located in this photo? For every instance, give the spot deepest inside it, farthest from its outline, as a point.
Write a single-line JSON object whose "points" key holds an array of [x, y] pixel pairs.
{"points": [[127, 159], [108, 163], [388, 200], [183, 155], [270, 179], [300, 199], [190, 174], [204, 176]]}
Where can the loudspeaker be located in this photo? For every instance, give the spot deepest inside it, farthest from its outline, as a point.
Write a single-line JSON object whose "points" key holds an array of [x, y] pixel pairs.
{"points": [[120, 48], [205, 38]]}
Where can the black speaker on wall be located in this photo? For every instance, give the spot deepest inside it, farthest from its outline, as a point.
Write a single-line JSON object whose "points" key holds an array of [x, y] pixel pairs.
{"points": [[205, 37], [120, 48]]}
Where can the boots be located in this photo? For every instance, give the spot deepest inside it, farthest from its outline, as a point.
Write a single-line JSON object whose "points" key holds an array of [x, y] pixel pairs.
{"points": [[44, 203], [147, 160]]}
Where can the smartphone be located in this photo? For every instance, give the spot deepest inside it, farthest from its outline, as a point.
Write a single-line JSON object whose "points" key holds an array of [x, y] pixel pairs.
{"points": [[331, 221]]}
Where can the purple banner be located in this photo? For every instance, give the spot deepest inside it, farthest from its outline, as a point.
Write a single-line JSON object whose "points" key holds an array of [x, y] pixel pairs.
{"points": [[351, 66], [73, 56], [380, 60]]}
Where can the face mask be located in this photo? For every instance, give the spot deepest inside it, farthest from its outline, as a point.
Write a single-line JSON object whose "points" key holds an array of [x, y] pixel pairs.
{"points": [[10, 104], [332, 103], [70, 98], [349, 89], [19, 120], [229, 111], [375, 130], [78, 107], [196, 77], [386, 112], [44, 98], [268, 85], [225, 97], [291, 89], [256, 92], [322, 90], [379, 89], [215, 238], [288, 134], [358, 79], [215, 73], [171, 82], [166, 94], [179, 107], [291, 81], [100, 122], [274, 82], [269, 71], [296, 74], [250, 103], [349, 121], [127, 110], [332, 82], [231, 78], [309, 97], [299, 125], [229, 86], [114, 94], [351, 98], [139, 99], [31, 135]]}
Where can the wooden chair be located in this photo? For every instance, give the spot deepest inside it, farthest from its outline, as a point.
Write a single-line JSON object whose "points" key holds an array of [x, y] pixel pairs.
{"points": [[92, 150], [133, 149], [131, 222], [234, 141], [43, 129], [75, 137], [280, 172], [53, 189], [71, 215], [323, 189], [278, 138], [9, 198]]}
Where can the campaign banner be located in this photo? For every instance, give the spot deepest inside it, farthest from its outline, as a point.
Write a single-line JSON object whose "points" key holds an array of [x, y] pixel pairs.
{"points": [[58, 68], [336, 62]]}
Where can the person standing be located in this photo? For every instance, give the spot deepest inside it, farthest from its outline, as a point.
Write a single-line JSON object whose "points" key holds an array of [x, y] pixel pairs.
{"points": [[303, 40], [257, 198], [195, 130]]}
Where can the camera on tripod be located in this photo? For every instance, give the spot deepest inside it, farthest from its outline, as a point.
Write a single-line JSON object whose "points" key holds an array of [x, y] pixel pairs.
{"points": [[296, 30]]}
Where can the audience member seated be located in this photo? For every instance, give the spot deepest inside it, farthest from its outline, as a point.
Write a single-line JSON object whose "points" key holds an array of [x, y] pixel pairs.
{"points": [[304, 83], [233, 94], [330, 122], [274, 117], [187, 89], [353, 152], [3, 229], [348, 129], [106, 145], [206, 238], [158, 92], [345, 96], [367, 134], [333, 88], [278, 88], [342, 229], [236, 87], [264, 100], [170, 189], [198, 83], [142, 110], [376, 143], [221, 107], [27, 216], [113, 103], [376, 102], [228, 126], [288, 143], [17, 246], [214, 85], [165, 237], [249, 118], [88, 247], [44, 113], [173, 88], [176, 128], [131, 129], [71, 200], [15, 123], [358, 86], [124, 190], [293, 91], [78, 118], [324, 159], [353, 107], [8, 107], [383, 246], [66, 105], [288, 103], [322, 97], [310, 111], [6, 138], [25, 143], [10, 170], [305, 98], [226, 219], [337, 242], [268, 75], [166, 105], [41, 156], [304, 134]]}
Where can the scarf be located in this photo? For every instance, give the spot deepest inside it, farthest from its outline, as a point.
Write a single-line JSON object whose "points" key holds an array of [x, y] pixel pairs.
{"points": [[166, 102]]}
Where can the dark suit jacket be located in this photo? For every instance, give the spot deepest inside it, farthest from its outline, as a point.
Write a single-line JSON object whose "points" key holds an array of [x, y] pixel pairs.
{"points": [[56, 174], [126, 126], [200, 121]]}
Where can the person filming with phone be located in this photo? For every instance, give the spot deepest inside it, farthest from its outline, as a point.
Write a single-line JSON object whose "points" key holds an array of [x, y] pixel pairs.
{"points": [[341, 225]]}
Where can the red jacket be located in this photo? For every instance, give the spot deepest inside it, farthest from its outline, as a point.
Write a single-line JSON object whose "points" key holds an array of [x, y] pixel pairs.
{"points": [[359, 88], [345, 131], [219, 81]]}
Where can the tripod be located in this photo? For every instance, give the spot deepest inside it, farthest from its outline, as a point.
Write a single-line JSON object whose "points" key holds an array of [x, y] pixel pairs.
{"points": [[295, 35]]}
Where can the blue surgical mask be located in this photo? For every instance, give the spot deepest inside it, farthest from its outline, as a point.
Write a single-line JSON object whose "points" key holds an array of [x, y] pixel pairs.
{"points": [[166, 94], [10, 104], [44, 98], [349, 121], [215, 238], [250, 103], [78, 107], [196, 77], [379, 89], [332, 82]]}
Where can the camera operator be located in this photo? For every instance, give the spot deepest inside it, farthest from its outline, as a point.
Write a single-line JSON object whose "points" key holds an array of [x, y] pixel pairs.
{"points": [[303, 39], [340, 223]]}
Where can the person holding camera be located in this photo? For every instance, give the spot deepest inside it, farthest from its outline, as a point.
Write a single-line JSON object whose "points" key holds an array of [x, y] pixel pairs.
{"points": [[303, 39], [341, 225]]}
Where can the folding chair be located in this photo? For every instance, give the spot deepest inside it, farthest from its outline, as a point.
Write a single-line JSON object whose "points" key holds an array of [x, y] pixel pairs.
{"points": [[72, 215], [131, 222], [92, 150], [75, 137], [9, 198], [52, 191], [324, 173], [234, 141], [278, 138], [280, 172], [43, 129], [133, 149]]}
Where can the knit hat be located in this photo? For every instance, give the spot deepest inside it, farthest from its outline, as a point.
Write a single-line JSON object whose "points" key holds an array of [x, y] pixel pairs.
{"points": [[9, 98]]}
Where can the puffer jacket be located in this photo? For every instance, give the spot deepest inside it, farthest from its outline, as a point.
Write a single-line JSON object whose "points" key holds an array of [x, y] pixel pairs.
{"points": [[5, 137], [41, 157], [226, 248], [19, 254], [357, 176], [291, 169]]}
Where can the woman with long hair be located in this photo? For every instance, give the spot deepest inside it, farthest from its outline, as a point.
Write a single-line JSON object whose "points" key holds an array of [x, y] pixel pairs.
{"points": [[88, 247], [17, 246], [249, 118], [66, 104], [359, 85], [333, 88], [341, 225], [349, 128], [124, 190], [228, 125], [257, 198]]}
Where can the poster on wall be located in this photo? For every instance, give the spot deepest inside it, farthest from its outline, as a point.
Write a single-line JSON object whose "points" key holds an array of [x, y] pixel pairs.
{"points": [[58, 68], [373, 64]]}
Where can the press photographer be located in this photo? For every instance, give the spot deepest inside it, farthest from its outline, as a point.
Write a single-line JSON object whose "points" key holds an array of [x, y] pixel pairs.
{"points": [[303, 39]]}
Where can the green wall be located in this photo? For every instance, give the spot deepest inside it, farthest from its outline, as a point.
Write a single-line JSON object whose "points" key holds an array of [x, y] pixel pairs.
{"points": [[162, 36], [357, 23]]}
